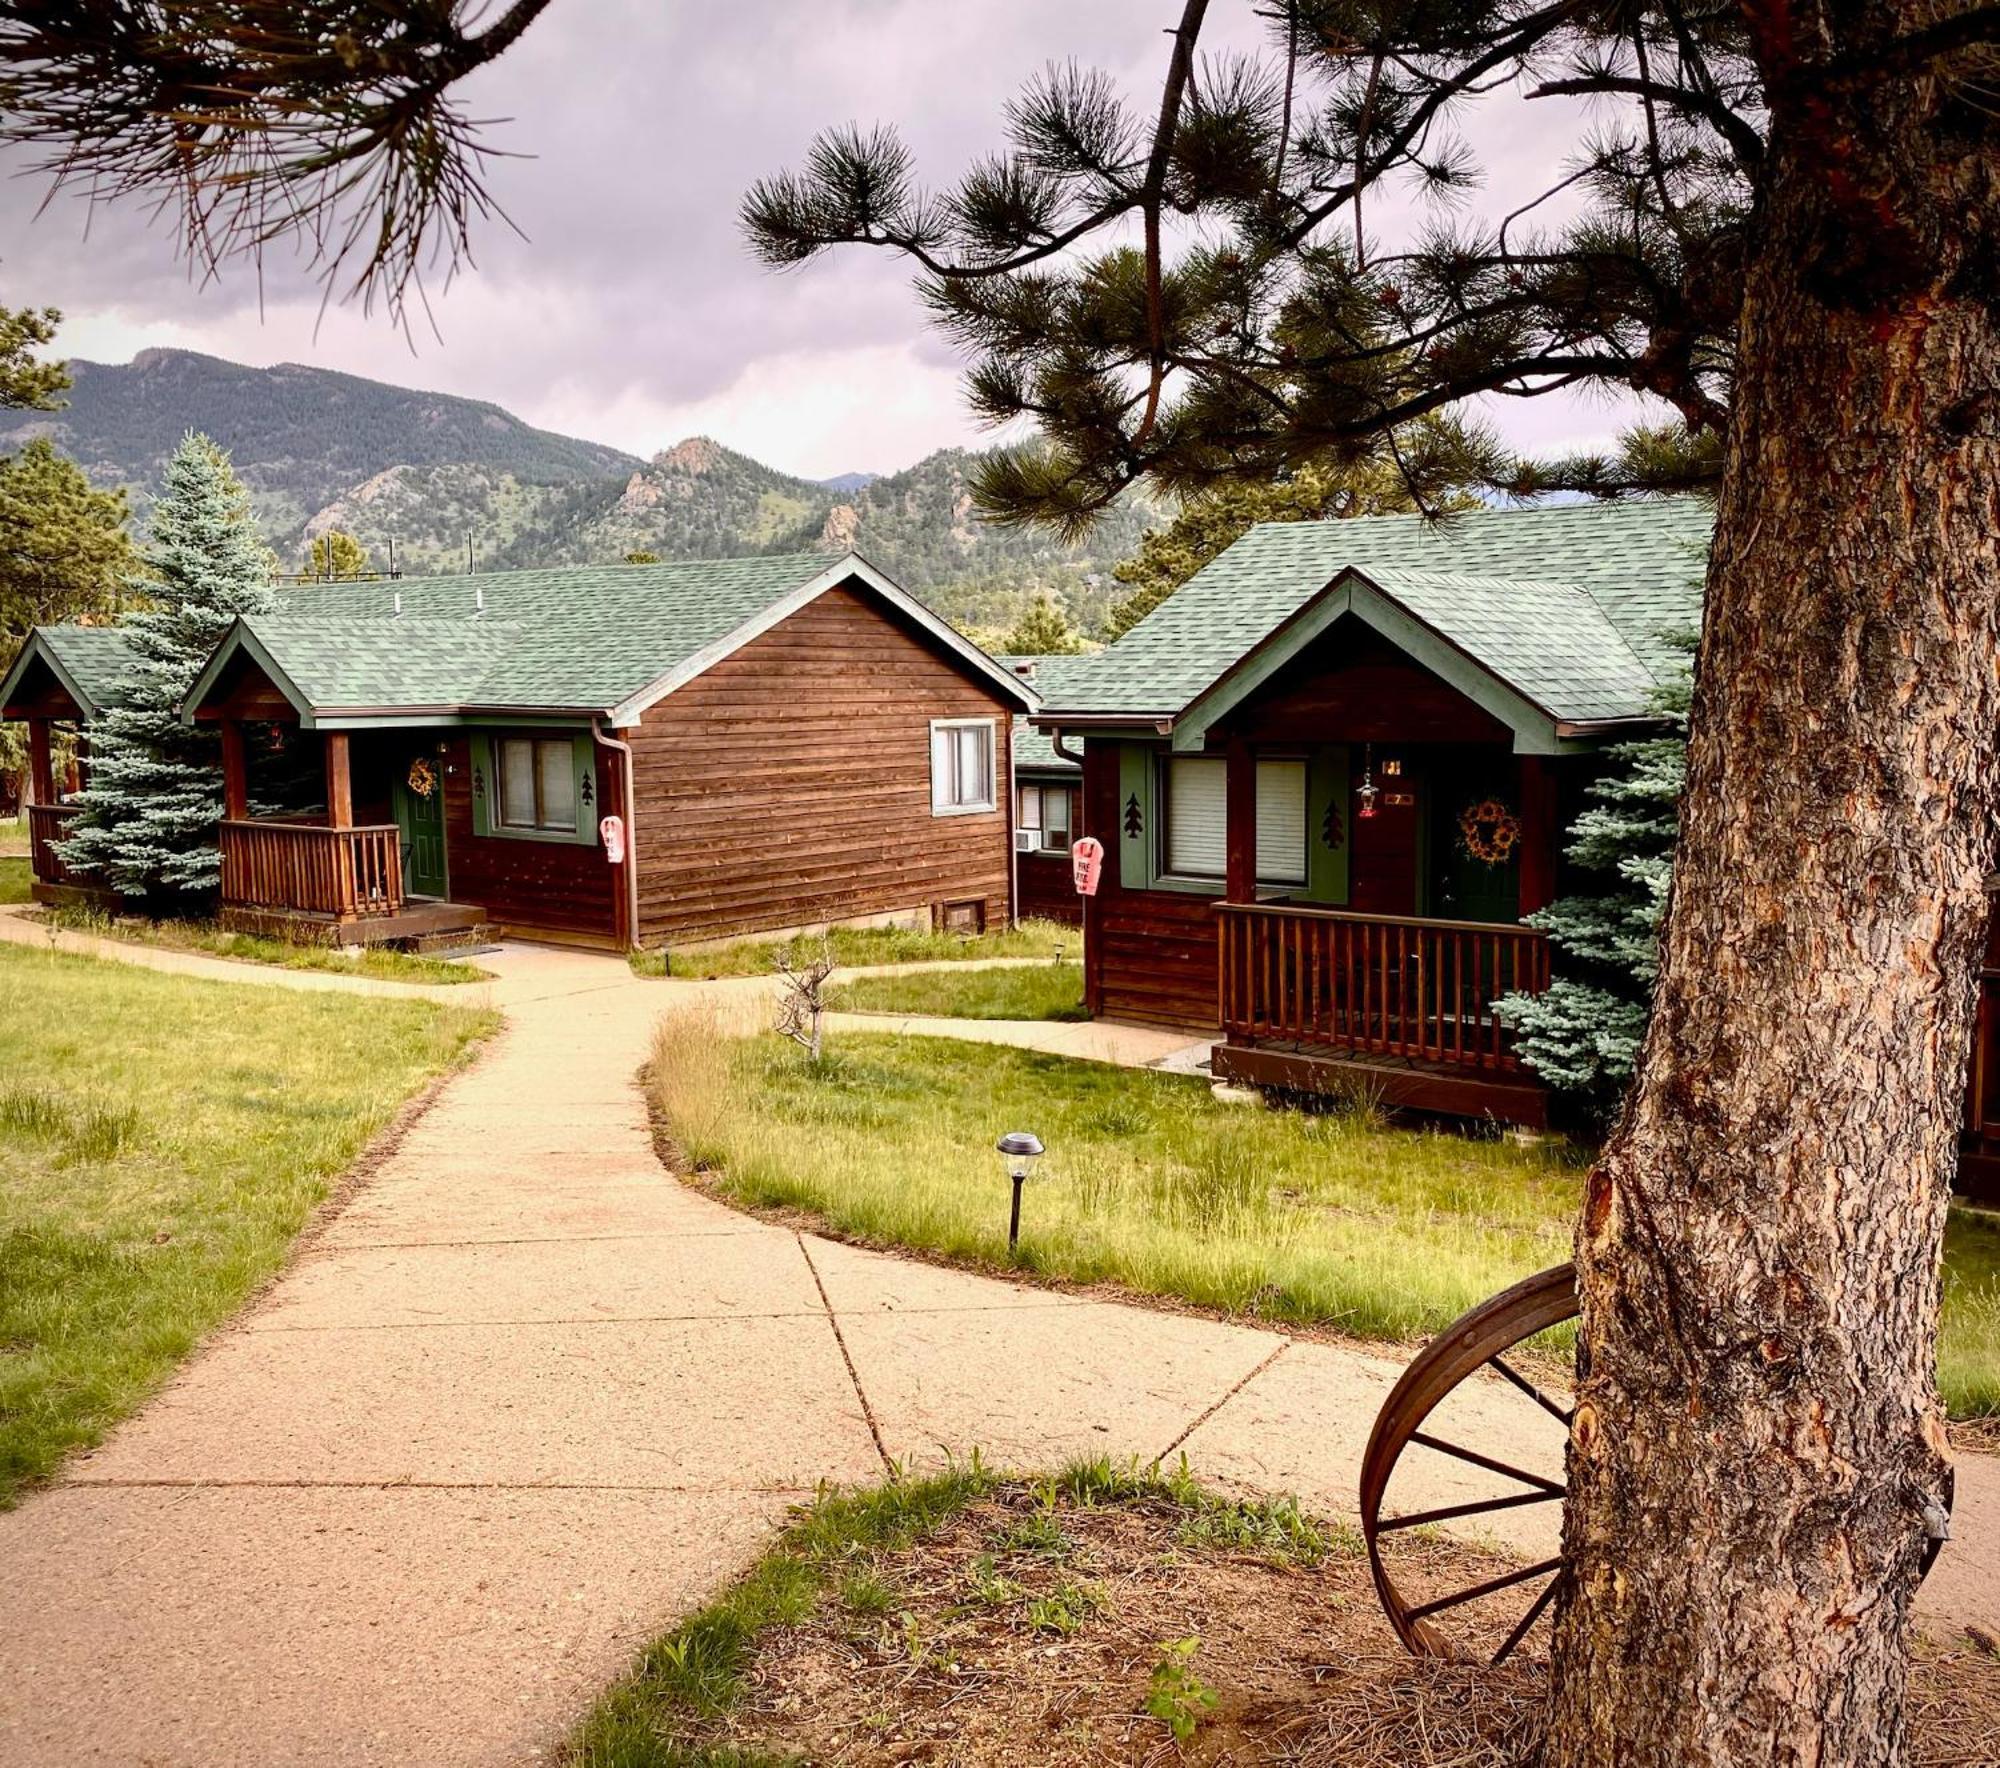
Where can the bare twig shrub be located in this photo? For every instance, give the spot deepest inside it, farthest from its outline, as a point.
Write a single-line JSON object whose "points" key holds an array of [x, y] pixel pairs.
{"points": [[803, 970]]}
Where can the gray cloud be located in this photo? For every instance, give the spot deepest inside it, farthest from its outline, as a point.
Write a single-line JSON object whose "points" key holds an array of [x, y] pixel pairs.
{"points": [[627, 309]]}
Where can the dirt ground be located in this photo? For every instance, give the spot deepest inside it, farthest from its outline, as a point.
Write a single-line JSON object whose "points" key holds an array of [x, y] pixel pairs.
{"points": [[1016, 1637]]}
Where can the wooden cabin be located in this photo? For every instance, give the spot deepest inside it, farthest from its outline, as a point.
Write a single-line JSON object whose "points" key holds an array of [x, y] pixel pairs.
{"points": [[1333, 772], [1048, 790], [786, 742], [60, 681]]}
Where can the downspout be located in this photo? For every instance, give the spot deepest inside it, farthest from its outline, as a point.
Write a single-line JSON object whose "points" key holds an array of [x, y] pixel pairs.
{"points": [[601, 735], [1073, 756]]}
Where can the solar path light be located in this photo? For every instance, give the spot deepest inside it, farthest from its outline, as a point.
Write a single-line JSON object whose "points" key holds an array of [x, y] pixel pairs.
{"points": [[1020, 1149]]}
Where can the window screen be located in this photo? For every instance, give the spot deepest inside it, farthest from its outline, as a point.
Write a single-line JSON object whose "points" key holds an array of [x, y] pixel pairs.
{"points": [[537, 783]]}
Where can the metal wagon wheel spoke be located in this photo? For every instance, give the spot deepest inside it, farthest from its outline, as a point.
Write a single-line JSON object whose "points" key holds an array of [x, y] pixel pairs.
{"points": [[1479, 1340]]}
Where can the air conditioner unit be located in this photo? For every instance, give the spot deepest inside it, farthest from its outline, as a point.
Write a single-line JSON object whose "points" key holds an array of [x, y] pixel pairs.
{"points": [[1026, 840]]}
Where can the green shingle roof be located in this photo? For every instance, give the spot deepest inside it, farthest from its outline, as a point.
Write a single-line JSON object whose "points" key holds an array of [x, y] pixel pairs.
{"points": [[589, 637], [1035, 750], [93, 659], [595, 639], [371, 662], [1565, 603]]}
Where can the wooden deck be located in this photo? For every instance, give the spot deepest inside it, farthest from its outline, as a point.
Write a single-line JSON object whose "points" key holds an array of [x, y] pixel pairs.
{"points": [[324, 885], [1323, 1000]]}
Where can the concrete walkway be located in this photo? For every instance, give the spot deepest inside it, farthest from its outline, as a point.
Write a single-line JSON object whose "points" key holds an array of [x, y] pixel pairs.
{"points": [[526, 1399]]}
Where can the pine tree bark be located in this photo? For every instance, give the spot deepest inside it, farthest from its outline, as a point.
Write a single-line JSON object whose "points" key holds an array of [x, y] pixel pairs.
{"points": [[1758, 1429]]}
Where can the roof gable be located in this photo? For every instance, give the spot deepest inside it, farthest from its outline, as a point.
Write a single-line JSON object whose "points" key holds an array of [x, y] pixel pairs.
{"points": [[88, 663]]}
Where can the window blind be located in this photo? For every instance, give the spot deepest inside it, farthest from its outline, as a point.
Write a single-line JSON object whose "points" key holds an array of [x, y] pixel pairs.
{"points": [[1197, 820], [1281, 822]]}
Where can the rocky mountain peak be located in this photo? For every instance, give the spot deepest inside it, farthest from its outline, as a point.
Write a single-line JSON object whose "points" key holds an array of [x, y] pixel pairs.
{"points": [[693, 455]]}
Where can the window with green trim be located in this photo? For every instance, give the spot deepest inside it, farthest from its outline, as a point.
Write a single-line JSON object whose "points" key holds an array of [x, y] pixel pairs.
{"points": [[536, 788]]}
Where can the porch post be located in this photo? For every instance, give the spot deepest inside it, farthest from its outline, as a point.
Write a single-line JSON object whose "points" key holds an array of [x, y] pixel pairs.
{"points": [[1240, 823], [235, 773], [1540, 837], [339, 782], [41, 763]]}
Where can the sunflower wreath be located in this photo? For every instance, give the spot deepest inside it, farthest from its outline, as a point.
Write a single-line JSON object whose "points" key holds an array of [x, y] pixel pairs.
{"points": [[1490, 831], [423, 778]]}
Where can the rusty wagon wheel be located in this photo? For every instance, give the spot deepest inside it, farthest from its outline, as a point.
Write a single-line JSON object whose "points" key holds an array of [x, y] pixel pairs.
{"points": [[1478, 1340]]}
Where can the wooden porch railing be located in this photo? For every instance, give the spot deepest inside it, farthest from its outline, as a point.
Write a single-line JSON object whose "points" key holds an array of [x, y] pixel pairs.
{"points": [[346, 873], [48, 824], [1375, 984]]}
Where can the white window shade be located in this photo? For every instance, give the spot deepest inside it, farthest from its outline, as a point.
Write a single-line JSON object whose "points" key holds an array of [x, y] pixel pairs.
{"points": [[1197, 817], [1281, 822]]}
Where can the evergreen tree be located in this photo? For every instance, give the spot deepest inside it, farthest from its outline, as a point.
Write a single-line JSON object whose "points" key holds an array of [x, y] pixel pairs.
{"points": [[337, 554], [64, 553], [155, 795], [27, 382], [1211, 520], [1043, 631], [1584, 1034]]}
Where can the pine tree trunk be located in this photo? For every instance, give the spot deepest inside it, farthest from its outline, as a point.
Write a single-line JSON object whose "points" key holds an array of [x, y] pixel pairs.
{"points": [[1758, 1426]]}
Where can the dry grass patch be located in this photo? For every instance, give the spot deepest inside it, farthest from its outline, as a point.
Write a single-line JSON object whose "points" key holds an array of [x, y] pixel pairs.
{"points": [[1100, 1617]]}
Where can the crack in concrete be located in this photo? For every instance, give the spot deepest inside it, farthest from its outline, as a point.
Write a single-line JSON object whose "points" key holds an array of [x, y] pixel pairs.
{"points": [[846, 1356], [1283, 1346]]}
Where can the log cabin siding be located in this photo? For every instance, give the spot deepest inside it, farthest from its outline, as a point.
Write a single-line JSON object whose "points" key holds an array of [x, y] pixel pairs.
{"points": [[790, 783], [538, 889], [1149, 955]]}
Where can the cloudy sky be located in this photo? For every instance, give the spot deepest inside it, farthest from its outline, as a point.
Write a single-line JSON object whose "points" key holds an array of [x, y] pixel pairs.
{"points": [[630, 312]]}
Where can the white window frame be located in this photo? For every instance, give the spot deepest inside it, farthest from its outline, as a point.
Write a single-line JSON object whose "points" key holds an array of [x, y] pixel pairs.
{"points": [[944, 799], [1033, 825]]}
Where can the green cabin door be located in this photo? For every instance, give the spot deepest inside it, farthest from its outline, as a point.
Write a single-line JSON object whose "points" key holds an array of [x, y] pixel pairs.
{"points": [[1464, 887], [421, 819]]}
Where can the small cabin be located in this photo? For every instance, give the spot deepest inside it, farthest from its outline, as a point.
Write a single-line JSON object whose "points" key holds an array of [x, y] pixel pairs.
{"points": [[60, 682], [620, 756], [1334, 771]]}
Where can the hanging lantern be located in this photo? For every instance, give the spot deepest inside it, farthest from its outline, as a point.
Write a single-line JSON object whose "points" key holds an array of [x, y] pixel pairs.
{"points": [[1370, 792]]}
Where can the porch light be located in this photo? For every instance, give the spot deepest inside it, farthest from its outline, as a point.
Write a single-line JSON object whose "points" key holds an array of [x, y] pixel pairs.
{"points": [[1019, 1150]]}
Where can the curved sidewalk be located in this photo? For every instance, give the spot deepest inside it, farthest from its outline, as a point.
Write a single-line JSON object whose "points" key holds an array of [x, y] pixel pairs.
{"points": [[526, 1398]]}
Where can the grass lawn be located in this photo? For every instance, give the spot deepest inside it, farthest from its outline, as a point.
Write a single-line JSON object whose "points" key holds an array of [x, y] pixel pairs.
{"points": [[161, 1142], [854, 947], [214, 941], [13, 859], [1033, 991], [1332, 1220]]}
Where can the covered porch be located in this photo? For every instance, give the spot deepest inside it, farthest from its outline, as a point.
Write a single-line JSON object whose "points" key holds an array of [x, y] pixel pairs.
{"points": [[56, 687], [314, 871], [1391, 993]]}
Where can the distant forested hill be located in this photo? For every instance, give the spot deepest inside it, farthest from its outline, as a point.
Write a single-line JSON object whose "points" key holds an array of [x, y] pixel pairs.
{"points": [[299, 436], [443, 478]]}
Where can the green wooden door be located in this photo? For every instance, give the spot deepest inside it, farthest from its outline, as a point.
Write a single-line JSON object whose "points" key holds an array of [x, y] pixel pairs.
{"points": [[1465, 887], [421, 818]]}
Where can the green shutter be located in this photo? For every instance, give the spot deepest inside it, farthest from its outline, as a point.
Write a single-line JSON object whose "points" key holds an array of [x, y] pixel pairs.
{"points": [[1329, 825], [1135, 816], [485, 781]]}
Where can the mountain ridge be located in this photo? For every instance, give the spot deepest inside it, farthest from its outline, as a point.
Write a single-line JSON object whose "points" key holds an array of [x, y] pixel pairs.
{"points": [[437, 480]]}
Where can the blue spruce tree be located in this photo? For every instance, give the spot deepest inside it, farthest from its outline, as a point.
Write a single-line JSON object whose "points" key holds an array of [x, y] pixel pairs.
{"points": [[148, 821], [1582, 1036]]}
